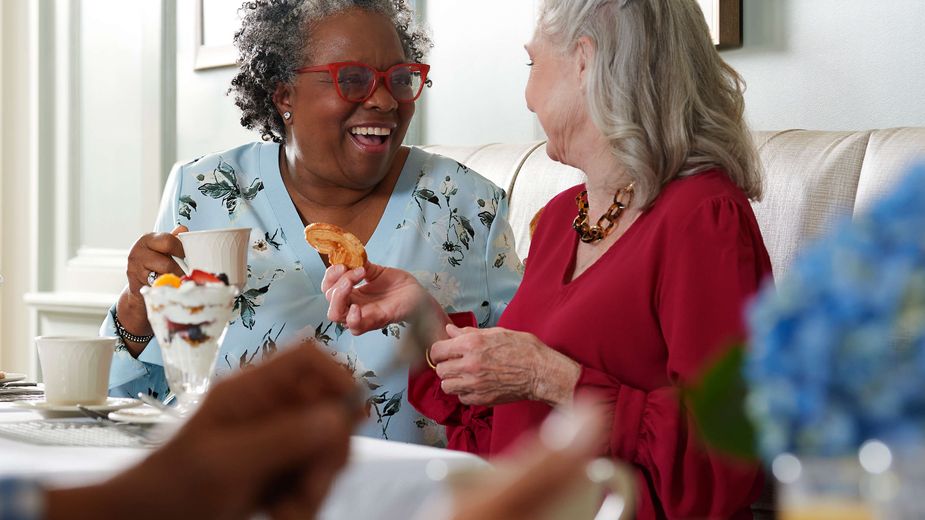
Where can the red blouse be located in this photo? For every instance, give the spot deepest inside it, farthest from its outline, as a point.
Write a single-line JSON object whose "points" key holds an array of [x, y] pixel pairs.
{"points": [[662, 302]]}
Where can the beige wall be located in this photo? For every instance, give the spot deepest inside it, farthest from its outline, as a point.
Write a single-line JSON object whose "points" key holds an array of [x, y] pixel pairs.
{"points": [[833, 64], [15, 190]]}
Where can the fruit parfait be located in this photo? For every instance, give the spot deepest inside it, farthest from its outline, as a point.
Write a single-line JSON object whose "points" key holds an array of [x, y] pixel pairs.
{"points": [[189, 316]]}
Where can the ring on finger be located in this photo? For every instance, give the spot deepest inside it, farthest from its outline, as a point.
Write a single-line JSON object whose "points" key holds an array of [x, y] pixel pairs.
{"points": [[151, 277]]}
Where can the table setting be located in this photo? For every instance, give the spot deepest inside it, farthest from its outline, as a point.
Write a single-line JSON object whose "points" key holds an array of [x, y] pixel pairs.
{"points": [[67, 431]]}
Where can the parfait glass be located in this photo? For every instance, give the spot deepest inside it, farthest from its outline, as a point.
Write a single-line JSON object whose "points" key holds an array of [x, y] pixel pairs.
{"points": [[189, 322]]}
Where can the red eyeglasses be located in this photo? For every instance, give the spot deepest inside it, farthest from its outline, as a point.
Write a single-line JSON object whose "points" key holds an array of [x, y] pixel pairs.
{"points": [[356, 81]]}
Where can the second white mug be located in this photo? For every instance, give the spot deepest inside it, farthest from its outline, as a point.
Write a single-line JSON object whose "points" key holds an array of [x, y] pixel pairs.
{"points": [[75, 369]]}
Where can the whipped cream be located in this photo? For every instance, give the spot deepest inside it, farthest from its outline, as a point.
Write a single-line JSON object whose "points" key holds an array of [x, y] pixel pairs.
{"points": [[189, 322]]}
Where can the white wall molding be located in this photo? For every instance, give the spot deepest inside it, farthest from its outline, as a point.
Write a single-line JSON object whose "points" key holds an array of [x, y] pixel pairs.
{"points": [[80, 140], [68, 257], [82, 304]]}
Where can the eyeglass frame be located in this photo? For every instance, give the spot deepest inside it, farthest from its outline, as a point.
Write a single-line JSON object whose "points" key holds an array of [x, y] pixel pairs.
{"points": [[379, 77]]}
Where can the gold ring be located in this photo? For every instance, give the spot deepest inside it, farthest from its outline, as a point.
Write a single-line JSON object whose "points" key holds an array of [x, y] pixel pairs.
{"points": [[429, 361]]}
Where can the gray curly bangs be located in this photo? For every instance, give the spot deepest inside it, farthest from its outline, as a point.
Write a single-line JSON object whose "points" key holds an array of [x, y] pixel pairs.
{"points": [[272, 42], [659, 91]]}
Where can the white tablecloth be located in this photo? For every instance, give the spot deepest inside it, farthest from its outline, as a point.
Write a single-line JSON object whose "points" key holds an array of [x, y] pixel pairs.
{"points": [[383, 480]]}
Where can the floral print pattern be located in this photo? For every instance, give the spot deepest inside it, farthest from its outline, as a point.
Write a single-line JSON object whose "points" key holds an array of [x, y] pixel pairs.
{"points": [[444, 223]]}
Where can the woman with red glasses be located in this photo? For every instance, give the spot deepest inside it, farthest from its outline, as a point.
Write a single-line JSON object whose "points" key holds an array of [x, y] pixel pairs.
{"points": [[637, 278], [330, 85]]}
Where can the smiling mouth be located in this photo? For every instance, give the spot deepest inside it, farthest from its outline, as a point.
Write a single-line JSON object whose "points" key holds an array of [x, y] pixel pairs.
{"points": [[372, 136]]}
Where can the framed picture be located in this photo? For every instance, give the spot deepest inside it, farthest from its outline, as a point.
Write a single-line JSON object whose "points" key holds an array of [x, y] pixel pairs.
{"points": [[724, 17], [216, 23]]}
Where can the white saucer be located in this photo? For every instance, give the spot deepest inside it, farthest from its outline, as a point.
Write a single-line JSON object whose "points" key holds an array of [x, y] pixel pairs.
{"points": [[142, 415], [11, 377], [63, 410]]}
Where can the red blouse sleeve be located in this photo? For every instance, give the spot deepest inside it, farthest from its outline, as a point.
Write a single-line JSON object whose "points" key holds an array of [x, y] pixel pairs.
{"points": [[713, 264], [468, 428]]}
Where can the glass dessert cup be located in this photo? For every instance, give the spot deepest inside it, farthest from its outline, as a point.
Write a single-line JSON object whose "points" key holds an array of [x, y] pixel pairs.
{"points": [[189, 322]]}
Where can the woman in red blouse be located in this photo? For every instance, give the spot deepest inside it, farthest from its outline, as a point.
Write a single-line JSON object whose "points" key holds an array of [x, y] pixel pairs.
{"points": [[636, 278]]}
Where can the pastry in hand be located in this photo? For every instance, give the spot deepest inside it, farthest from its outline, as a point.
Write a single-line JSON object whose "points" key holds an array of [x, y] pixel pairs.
{"points": [[341, 246]]}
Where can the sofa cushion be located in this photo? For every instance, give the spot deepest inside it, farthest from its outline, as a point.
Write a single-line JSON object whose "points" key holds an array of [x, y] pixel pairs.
{"points": [[499, 163], [889, 154], [810, 179], [538, 181]]}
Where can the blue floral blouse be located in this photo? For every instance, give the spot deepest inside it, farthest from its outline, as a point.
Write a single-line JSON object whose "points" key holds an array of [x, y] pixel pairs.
{"points": [[444, 223]]}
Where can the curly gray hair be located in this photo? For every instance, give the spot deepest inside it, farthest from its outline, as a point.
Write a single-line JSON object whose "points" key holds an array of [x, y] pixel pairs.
{"points": [[272, 42]]}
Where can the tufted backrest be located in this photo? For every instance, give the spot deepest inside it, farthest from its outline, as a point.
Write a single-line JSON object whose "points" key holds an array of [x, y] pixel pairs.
{"points": [[811, 178]]}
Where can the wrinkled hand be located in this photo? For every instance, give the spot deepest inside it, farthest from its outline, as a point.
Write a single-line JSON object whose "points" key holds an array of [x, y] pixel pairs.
{"points": [[388, 296], [495, 366], [273, 437]]}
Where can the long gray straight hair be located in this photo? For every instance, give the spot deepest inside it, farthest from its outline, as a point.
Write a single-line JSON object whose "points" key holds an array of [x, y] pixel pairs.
{"points": [[658, 90]]}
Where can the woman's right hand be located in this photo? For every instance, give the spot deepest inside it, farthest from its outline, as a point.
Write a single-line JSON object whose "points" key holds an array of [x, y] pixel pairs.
{"points": [[389, 296], [151, 253]]}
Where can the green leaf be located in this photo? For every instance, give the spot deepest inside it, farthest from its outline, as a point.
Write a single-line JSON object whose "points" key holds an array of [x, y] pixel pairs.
{"points": [[231, 203], [186, 199], [247, 314], [251, 294], [251, 191], [466, 224], [428, 195], [227, 172], [271, 239], [717, 404], [216, 190], [393, 406], [486, 218]]}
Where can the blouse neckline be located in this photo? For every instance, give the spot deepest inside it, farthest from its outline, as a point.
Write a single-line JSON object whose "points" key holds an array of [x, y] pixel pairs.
{"points": [[566, 280], [288, 216]]}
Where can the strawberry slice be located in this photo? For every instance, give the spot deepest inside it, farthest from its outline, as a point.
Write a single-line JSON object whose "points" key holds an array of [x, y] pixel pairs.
{"points": [[201, 277]]}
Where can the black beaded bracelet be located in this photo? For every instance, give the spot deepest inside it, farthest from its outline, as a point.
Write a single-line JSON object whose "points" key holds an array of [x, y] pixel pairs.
{"points": [[126, 335]]}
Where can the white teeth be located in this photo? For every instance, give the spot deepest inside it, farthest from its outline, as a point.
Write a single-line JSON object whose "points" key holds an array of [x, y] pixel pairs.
{"points": [[370, 130]]}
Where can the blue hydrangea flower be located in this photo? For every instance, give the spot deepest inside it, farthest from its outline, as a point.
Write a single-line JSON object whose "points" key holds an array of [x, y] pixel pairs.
{"points": [[838, 349]]}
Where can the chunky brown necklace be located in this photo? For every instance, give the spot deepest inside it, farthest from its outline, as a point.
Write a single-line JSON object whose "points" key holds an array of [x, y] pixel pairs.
{"points": [[589, 234]]}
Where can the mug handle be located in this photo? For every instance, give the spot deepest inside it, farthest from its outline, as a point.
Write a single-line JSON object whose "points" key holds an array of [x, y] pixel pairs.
{"points": [[182, 263]]}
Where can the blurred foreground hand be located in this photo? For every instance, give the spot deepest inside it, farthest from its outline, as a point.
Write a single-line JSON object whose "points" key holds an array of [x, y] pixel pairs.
{"points": [[553, 476], [268, 439]]}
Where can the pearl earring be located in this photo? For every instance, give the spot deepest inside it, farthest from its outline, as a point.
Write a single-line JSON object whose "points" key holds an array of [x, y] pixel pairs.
{"points": [[287, 115]]}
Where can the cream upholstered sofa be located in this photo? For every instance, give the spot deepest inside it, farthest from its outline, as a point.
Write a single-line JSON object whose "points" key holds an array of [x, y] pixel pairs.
{"points": [[811, 178]]}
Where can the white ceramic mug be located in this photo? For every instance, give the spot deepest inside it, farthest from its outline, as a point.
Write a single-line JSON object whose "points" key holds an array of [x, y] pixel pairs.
{"points": [[217, 251], [75, 369]]}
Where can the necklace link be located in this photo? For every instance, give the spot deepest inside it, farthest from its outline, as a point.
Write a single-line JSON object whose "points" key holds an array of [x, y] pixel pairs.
{"points": [[590, 234]]}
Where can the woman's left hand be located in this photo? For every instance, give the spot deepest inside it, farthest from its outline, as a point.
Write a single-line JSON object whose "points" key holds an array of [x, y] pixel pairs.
{"points": [[495, 366]]}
